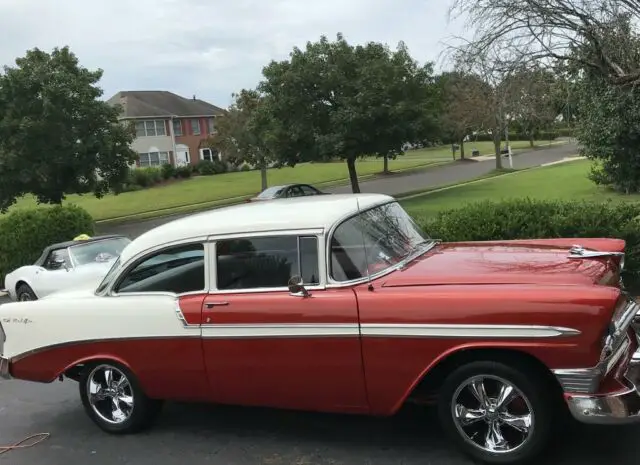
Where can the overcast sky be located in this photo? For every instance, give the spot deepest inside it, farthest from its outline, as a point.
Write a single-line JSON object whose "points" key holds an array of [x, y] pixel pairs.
{"points": [[210, 48]]}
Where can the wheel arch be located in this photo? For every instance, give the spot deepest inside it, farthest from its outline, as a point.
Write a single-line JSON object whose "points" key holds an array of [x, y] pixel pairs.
{"points": [[23, 280], [429, 381], [74, 370]]}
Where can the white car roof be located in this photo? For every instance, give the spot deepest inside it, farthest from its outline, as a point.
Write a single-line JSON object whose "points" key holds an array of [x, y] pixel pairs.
{"points": [[309, 212]]}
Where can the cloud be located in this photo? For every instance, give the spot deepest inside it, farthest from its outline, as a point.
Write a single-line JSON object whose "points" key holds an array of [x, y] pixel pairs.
{"points": [[209, 48]]}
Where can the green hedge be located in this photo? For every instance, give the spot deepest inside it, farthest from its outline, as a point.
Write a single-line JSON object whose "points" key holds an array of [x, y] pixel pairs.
{"points": [[25, 233], [529, 219]]}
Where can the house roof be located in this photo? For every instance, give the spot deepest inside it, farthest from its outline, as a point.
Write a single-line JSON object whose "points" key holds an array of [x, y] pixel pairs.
{"points": [[311, 212], [145, 103]]}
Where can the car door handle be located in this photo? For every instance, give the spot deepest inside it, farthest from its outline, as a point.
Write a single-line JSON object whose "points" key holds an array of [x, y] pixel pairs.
{"points": [[215, 304]]}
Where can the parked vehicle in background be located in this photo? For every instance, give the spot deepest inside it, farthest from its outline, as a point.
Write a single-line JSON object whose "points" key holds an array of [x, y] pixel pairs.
{"points": [[342, 303], [287, 191], [64, 265]]}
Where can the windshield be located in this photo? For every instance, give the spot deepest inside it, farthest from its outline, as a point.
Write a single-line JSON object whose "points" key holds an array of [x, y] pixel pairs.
{"points": [[98, 251], [270, 192], [374, 240], [107, 279]]}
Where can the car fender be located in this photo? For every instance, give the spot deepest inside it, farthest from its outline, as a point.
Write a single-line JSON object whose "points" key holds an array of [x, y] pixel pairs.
{"points": [[528, 349], [24, 274]]}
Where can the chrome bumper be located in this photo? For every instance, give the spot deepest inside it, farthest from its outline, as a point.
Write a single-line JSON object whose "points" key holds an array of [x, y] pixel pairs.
{"points": [[4, 368], [617, 408]]}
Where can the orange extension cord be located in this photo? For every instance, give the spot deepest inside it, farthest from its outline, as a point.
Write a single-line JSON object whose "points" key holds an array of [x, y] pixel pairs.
{"points": [[21, 444]]}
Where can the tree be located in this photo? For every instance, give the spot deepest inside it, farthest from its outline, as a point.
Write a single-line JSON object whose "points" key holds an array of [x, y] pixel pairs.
{"points": [[333, 99], [550, 31], [463, 106], [56, 136], [531, 99], [240, 133]]}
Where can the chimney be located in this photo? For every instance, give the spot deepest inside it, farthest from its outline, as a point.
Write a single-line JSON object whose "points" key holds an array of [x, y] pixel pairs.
{"points": [[194, 98]]}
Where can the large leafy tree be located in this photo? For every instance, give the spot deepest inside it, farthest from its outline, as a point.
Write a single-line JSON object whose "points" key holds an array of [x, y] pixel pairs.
{"points": [[333, 99], [56, 136], [240, 133]]}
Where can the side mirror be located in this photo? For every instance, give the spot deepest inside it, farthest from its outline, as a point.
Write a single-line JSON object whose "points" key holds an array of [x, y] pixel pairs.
{"points": [[296, 287]]}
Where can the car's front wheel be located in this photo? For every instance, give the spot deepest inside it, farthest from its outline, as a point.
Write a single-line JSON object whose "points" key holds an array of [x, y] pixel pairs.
{"points": [[24, 293], [496, 413], [113, 399]]}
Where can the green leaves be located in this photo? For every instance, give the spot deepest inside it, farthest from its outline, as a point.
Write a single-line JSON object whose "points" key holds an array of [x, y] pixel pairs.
{"points": [[56, 136], [333, 99]]}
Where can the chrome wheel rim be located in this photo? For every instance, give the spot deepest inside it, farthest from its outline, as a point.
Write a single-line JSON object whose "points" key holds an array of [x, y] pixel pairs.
{"points": [[110, 394], [24, 297], [492, 414]]}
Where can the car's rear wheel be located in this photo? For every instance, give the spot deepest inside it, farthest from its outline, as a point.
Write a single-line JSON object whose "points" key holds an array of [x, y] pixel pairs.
{"points": [[112, 397], [496, 413], [24, 293]]}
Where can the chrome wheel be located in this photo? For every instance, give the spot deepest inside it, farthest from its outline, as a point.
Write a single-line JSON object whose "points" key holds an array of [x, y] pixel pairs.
{"points": [[110, 394], [492, 414]]}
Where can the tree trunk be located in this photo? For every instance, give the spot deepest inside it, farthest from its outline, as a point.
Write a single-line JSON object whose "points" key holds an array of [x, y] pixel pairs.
{"points": [[263, 175], [531, 141], [353, 176], [462, 149], [496, 145], [385, 168]]}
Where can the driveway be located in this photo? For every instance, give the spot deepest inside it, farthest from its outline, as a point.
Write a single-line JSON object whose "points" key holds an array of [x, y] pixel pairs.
{"points": [[199, 434], [396, 183]]}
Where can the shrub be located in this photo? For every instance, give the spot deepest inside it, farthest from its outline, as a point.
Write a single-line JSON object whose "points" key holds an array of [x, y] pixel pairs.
{"points": [[206, 168], [245, 167], [25, 233], [168, 171], [145, 177], [529, 219], [184, 171], [540, 136]]}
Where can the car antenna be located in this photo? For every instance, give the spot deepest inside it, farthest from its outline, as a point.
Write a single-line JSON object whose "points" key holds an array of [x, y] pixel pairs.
{"points": [[366, 255]]}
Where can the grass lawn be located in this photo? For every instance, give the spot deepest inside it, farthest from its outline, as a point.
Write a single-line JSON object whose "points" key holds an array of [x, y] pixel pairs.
{"points": [[567, 181], [204, 191]]}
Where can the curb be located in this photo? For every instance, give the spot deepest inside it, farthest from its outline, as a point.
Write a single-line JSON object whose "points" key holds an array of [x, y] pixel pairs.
{"points": [[422, 194]]}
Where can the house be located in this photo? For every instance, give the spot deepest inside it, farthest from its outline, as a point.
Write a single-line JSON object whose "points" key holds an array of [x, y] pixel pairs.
{"points": [[169, 128]]}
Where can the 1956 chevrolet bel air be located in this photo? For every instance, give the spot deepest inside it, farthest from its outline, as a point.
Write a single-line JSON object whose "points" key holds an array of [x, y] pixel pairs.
{"points": [[343, 304]]}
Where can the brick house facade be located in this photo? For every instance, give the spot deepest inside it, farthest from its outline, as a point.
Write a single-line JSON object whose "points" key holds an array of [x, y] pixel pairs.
{"points": [[169, 128]]}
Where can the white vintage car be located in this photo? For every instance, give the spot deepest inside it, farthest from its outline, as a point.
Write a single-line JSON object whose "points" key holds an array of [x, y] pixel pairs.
{"points": [[65, 265], [341, 303]]}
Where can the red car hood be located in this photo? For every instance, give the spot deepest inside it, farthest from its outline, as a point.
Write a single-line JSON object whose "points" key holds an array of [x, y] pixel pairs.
{"points": [[511, 262]]}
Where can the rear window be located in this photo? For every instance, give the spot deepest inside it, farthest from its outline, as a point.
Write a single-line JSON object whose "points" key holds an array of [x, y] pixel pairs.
{"points": [[270, 192]]}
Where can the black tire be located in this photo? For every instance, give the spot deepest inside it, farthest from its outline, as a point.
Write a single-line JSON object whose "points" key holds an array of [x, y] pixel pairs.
{"points": [[25, 291], [536, 396], [138, 418]]}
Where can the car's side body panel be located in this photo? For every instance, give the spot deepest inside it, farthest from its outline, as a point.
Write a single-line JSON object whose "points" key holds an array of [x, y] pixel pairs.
{"points": [[407, 330], [145, 333]]}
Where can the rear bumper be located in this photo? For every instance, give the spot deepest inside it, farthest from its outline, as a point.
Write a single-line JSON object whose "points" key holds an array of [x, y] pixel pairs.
{"points": [[622, 407], [4, 368]]}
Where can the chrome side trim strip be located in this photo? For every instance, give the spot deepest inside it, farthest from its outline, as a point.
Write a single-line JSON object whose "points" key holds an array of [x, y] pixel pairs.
{"points": [[279, 330], [461, 331]]}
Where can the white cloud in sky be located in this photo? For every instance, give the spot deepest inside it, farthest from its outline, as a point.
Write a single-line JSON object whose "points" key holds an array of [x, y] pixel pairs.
{"points": [[209, 48]]}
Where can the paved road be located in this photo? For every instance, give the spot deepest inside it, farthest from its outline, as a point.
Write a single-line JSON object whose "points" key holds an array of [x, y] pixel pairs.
{"points": [[199, 434], [397, 183]]}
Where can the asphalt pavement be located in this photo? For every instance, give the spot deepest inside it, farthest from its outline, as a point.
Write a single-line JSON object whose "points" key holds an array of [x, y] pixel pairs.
{"points": [[202, 434], [199, 434], [395, 184]]}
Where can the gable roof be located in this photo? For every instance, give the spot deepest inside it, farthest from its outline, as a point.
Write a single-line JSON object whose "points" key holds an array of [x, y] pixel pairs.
{"points": [[145, 103]]}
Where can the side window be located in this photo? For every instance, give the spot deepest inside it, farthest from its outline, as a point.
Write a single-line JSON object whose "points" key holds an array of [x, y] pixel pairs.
{"points": [[308, 190], [295, 191], [264, 262], [55, 258], [177, 269]]}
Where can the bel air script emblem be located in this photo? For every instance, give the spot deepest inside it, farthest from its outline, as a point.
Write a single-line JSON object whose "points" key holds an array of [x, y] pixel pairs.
{"points": [[23, 321]]}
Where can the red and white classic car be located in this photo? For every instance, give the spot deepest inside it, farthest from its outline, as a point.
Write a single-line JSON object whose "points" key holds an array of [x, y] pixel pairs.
{"points": [[342, 303]]}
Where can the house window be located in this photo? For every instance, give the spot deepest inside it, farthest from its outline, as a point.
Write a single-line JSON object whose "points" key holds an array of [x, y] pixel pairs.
{"points": [[211, 125], [266, 262], [205, 154], [177, 127], [195, 127], [153, 159], [150, 128]]}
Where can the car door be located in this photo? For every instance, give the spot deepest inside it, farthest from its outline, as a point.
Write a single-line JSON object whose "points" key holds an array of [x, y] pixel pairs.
{"points": [[264, 346], [53, 276]]}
